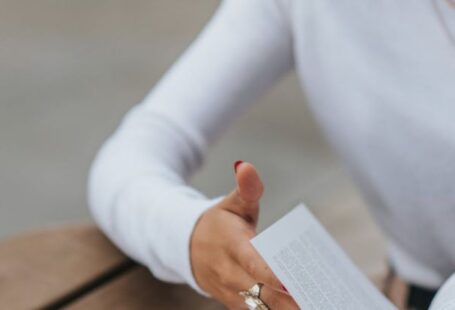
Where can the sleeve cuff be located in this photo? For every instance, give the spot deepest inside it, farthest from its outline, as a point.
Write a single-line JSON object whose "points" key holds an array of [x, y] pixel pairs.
{"points": [[187, 220], [156, 223], [181, 218]]}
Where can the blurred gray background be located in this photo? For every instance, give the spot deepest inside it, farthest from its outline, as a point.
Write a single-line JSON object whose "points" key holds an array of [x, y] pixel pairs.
{"points": [[71, 69]]}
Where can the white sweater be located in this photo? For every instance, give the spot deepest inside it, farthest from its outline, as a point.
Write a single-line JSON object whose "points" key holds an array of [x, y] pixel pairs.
{"points": [[380, 78]]}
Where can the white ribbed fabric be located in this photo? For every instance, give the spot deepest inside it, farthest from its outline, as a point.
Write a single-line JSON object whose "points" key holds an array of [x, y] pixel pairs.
{"points": [[379, 75]]}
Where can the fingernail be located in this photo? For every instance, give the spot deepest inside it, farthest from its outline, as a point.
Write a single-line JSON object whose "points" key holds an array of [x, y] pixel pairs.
{"points": [[237, 164]]}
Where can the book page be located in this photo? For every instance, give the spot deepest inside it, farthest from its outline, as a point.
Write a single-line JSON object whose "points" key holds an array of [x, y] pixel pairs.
{"points": [[445, 298], [313, 268]]}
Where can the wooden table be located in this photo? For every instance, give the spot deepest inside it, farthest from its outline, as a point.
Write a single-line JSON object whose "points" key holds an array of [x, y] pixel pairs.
{"points": [[76, 267]]}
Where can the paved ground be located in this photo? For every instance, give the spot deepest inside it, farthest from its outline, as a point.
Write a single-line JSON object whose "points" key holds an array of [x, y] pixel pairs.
{"points": [[71, 69]]}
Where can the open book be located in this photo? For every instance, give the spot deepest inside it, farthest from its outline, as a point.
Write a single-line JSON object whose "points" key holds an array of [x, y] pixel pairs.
{"points": [[316, 271]]}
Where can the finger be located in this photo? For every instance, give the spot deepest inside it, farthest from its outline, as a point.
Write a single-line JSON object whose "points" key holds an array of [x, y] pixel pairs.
{"points": [[233, 280], [276, 300], [256, 267], [239, 280], [244, 200], [249, 184]]}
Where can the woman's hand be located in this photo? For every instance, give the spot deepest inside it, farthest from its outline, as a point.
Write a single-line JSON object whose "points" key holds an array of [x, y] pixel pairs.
{"points": [[223, 260]]}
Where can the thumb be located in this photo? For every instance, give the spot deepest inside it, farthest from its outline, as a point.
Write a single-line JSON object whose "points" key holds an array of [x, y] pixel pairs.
{"points": [[244, 200]]}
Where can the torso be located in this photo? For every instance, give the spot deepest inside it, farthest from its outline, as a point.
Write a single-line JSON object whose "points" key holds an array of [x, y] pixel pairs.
{"points": [[380, 77]]}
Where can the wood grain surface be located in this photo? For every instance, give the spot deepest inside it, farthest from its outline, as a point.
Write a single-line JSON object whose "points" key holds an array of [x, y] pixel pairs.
{"points": [[137, 289], [77, 267]]}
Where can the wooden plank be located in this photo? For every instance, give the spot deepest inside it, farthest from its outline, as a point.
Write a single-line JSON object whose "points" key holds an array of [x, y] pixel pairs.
{"points": [[138, 290], [40, 268]]}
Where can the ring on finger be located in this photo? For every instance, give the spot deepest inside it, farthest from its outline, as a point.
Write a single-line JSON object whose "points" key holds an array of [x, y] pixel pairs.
{"points": [[252, 298]]}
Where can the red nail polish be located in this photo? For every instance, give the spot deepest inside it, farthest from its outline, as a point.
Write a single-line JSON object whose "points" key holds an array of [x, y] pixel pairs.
{"points": [[237, 164], [284, 289]]}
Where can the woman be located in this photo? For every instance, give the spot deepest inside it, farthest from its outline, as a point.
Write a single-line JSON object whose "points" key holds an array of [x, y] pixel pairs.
{"points": [[379, 76]]}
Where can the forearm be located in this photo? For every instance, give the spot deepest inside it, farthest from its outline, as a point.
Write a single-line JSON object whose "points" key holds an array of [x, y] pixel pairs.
{"points": [[139, 197]]}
